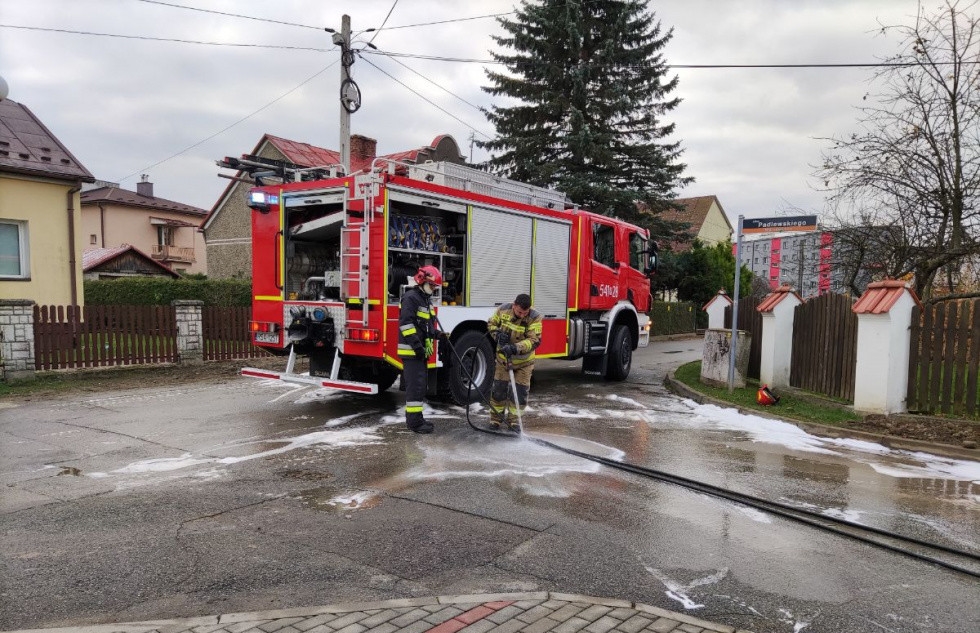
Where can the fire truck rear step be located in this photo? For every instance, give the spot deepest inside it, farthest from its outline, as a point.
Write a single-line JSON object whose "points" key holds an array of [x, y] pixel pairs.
{"points": [[314, 381]]}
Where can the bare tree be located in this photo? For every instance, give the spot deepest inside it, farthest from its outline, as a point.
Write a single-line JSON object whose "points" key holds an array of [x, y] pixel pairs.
{"points": [[913, 169]]}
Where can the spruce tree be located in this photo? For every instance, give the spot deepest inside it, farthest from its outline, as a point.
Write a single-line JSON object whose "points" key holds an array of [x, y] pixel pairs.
{"points": [[587, 90]]}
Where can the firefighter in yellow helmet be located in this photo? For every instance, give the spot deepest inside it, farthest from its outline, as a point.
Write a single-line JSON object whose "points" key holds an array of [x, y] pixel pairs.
{"points": [[416, 340], [516, 329]]}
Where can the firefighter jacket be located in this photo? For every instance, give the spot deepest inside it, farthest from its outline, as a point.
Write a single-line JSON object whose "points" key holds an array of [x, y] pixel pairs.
{"points": [[416, 326], [525, 334]]}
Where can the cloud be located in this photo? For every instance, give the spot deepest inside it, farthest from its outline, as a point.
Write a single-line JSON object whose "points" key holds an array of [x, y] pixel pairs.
{"points": [[122, 104]]}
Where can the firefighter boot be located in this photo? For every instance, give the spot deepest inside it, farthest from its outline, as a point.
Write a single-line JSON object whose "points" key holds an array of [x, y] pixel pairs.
{"points": [[497, 416]]}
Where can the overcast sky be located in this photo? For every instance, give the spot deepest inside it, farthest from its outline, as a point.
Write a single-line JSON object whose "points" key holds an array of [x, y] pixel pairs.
{"points": [[132, 105]]}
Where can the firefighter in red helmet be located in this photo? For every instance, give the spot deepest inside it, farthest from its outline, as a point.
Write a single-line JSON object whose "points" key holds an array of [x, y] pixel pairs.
{"points": [[416, 341]]}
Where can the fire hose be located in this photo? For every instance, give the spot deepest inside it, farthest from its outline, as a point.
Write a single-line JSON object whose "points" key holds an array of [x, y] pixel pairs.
{"points": [[483, 398]]}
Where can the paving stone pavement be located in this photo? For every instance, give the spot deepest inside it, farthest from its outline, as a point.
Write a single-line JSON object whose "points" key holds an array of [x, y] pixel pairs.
{"points": [[540, 612]]}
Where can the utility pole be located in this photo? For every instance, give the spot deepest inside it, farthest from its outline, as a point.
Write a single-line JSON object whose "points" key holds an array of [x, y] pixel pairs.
{"points": [[342, 40], [799, 286]]}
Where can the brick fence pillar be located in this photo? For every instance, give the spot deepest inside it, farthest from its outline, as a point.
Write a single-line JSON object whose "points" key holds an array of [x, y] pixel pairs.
{"points": [[16, 339], [190, 332]]}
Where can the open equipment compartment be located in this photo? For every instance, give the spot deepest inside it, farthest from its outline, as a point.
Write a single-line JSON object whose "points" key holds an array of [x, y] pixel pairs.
{"points": [[426, 231], [313, 221]]}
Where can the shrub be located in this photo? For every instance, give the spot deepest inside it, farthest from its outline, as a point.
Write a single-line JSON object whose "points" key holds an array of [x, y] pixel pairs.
{"points": [[160, 291]]}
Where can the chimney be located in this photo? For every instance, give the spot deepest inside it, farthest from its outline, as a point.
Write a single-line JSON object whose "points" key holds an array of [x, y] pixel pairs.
{"points": [[144, 187], [362, 151]]}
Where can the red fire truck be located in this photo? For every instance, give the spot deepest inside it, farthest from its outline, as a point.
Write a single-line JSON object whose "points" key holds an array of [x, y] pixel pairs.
{"points": [[332, 256]]}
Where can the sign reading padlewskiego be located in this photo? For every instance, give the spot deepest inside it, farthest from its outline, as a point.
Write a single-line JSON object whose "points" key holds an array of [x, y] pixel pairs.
{"points": [[776, 225]]}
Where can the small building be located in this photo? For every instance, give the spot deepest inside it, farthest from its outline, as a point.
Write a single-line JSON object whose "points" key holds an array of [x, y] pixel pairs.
{"points": [[228, 227], [122, 261], [166, 230], [40, 218]]}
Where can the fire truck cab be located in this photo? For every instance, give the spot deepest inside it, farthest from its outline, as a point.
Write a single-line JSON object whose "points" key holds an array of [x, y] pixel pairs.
{"points": [[332, 257]]}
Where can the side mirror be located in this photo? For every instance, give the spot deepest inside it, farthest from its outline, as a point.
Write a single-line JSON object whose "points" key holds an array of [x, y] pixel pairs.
{"points": [[652, 262]]}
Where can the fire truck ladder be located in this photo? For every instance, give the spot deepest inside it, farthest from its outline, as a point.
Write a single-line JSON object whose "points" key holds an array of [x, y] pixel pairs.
{"points": [[354, 266]]}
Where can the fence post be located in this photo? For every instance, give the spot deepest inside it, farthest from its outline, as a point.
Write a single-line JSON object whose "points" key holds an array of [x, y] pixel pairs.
{"points": [[716, 310], [16, 339], [190, 332], [884, 314], [778, 310]]}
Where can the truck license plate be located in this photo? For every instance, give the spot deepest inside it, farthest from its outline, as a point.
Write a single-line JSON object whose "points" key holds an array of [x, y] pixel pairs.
{"points": [[267, 337]]}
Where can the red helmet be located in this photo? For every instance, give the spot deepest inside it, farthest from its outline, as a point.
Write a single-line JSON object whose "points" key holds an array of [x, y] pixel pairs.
{"points": [[429, 274]]}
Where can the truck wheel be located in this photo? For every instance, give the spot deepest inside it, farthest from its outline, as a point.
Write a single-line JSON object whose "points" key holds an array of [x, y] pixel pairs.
{"points": [[620, 354], [474, 349]]}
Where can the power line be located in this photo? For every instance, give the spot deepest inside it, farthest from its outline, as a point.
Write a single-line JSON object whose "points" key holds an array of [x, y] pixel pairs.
{"points": [[383, 23], [244, 118], [444, 89], [475, 17], [233, 15], [164, 39], [440, 58], [307, 26], [430, 102]]}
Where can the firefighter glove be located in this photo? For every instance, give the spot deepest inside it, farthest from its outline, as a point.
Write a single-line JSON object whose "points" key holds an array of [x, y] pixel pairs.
{"points": [[428, 347], [508, 349], [503, 338]]}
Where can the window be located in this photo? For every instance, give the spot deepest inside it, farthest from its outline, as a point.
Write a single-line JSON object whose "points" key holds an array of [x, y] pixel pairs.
{"points": [[638, 248], [93, 239], [604, 244], [165, 235], [14, 255]]}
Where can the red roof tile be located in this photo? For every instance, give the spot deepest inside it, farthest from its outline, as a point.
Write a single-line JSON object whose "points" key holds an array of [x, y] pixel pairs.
{"points": [[721, 295], [303, 153], [776, 296], [881, 296]]}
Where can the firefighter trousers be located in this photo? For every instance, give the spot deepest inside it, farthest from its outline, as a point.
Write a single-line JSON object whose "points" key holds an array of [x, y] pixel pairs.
{"points": [[414, 375], [502, 405]]}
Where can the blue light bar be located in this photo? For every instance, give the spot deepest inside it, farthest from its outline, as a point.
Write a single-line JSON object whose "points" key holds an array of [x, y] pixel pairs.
{"points": [[261, 198]]}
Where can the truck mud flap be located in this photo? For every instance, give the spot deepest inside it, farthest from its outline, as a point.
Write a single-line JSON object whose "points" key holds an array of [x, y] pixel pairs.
{"points": [[314, 381]]}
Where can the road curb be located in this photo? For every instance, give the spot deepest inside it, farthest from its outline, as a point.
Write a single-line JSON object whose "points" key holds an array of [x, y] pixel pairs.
{"points": [[823, 430], [261, 620]]}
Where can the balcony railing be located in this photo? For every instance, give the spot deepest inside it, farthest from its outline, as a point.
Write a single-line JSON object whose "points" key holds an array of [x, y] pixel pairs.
{"points": [[167, 253]]}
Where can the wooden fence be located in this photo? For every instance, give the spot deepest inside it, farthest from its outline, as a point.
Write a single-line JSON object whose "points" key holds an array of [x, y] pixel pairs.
{"points": [[72, 337], [825, 346], [226, 335], [944, 357], [749, 320]]}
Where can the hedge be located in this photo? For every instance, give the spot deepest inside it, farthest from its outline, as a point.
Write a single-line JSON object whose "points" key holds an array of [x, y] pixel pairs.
{"points": [[673, 318], [160, 291]]}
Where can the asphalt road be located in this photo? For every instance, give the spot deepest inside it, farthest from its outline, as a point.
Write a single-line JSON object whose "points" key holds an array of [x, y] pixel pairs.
{"points": [[240, 495]]}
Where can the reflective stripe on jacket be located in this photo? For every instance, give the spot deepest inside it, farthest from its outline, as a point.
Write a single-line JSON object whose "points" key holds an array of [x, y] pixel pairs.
{"points": [[415, 323], [525, 334]]}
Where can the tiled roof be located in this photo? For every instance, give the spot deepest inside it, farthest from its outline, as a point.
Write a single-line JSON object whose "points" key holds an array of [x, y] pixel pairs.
{"points": [[27, 147], [308, 155], [128, 198], [694, 211], [303, 153], [95, 257], [881, 296], [720, 296], [775, 297]]}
